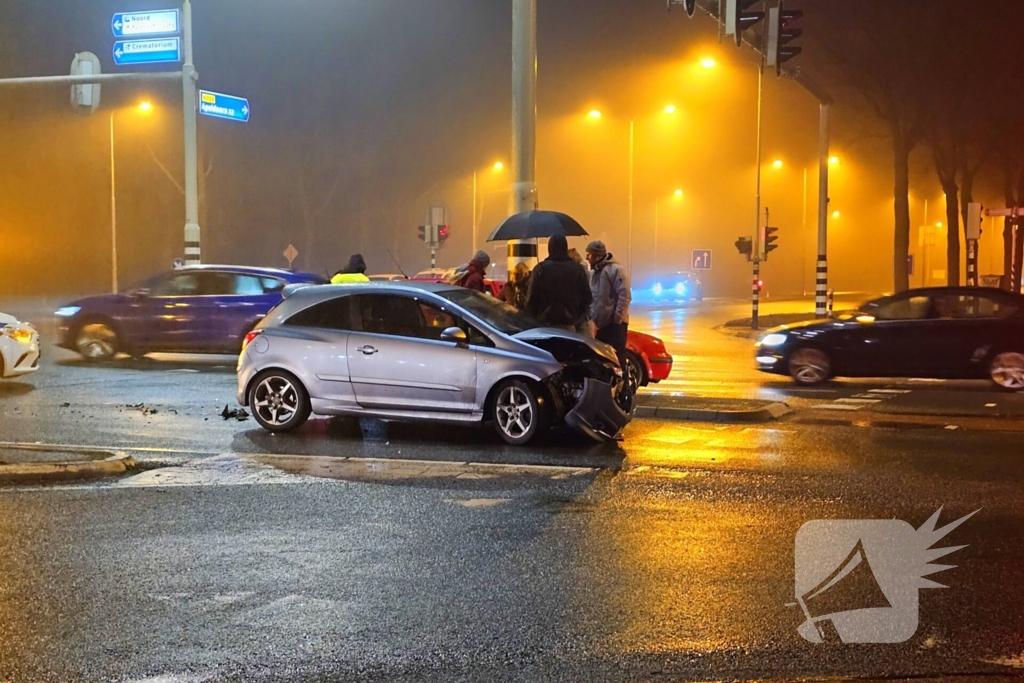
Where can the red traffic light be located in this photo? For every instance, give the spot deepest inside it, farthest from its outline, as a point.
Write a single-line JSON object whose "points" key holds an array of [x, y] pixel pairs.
{"points": [[760, 284]]}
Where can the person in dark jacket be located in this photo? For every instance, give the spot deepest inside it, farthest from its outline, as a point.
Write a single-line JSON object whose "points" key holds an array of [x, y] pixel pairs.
{"points": [[475, 272], [559, 292], [355, 271]]}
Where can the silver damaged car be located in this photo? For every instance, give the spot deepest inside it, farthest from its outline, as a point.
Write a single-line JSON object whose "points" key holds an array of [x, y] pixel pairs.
{"points": [[425, 351]]}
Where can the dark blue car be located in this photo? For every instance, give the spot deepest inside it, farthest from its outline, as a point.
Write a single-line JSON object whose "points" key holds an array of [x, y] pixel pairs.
{"points": [[195, 309]]}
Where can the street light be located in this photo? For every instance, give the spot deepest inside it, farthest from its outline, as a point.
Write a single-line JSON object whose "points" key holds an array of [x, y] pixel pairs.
{"points": [[677, 195], [833, 160], [708, 63], [777, 163], [497, 167], [596, 114], [144, 107]]}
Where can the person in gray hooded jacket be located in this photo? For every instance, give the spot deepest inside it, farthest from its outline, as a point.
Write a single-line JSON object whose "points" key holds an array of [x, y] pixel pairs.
{"points": [[609, 286]]}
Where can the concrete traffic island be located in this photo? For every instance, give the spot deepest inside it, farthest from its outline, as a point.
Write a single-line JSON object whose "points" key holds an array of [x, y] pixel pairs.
{"points": [[29, 463]]}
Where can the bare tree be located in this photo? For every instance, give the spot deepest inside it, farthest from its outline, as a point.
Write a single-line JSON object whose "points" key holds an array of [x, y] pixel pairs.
{"points": [[871, 47]]}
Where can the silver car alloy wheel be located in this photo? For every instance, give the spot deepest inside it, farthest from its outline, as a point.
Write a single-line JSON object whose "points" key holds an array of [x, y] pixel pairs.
{"points": [[514, 412], [275, 400], [96, 341], [633, 374], [809, 366], [1007, 370]]}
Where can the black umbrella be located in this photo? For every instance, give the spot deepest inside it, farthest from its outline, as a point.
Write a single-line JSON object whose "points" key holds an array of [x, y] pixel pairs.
{"points": [[533, 224]]}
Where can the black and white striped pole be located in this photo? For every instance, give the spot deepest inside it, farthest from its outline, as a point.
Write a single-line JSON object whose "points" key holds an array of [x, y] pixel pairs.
{"points": [[821, 270], [973, 234]]}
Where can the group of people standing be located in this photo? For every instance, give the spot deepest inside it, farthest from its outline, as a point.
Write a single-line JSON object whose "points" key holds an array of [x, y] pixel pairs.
{"points": [[561, 292]]}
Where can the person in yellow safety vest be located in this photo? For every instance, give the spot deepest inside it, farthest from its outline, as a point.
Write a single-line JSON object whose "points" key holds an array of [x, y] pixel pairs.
{"points": [[355, 271]]}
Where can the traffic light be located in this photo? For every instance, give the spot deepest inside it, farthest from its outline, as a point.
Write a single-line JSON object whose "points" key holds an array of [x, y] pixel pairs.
{"points": [[768, 242], [738, 20], [442, 233], [760, 285], [973, 228], [689, 5], [423, 233], [745, 246], [782, 31]]}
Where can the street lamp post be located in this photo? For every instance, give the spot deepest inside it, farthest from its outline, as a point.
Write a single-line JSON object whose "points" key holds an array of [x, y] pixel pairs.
{"points": [[596, 114], [498, 166], [143, 107], [657, 202], [113, 212]]}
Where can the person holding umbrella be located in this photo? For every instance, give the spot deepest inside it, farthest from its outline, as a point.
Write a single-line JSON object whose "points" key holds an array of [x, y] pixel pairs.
{"points": [[559, 293], [609, 286]]}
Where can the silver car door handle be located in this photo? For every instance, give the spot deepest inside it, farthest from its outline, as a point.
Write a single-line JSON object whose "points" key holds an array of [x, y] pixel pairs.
{"points": [[367, 350]]}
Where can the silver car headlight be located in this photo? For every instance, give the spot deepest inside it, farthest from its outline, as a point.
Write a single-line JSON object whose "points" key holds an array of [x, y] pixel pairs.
{"points": [[773, 340], [67, 311]]}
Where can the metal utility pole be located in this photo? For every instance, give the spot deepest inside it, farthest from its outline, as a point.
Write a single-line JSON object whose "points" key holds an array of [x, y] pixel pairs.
{"points": [[188, 82], [755, 290], [524, 124], [821, 281], [113, 212], [474, 212], [629, 238]]}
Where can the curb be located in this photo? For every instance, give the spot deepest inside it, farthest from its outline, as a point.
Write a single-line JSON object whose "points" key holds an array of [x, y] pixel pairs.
{"points": [[116, 463], [742, 333], [769, 413]]}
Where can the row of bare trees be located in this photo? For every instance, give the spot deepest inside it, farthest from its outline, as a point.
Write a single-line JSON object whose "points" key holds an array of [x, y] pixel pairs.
{"points": [[937, 74]]}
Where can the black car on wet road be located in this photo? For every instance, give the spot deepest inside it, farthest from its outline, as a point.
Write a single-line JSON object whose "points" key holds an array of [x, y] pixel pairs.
{"points": [[941, 333]]}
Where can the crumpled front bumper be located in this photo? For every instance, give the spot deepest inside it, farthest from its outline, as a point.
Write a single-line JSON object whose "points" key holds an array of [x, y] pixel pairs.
{"points": [[597, 414]]}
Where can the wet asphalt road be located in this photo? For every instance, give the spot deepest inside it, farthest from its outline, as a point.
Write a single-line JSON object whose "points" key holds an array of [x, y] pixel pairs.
{"points": [[667, 557]]}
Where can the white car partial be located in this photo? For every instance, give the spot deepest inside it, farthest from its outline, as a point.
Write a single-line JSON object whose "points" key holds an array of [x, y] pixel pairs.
{"points": [[19, 347]]}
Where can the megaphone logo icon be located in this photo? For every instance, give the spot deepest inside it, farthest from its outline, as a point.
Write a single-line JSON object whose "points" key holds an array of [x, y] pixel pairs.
{"points": [[857, 581]]}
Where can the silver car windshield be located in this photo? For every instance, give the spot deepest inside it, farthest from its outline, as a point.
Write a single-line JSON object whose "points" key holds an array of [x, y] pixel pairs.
{"points": [[497, 314]]}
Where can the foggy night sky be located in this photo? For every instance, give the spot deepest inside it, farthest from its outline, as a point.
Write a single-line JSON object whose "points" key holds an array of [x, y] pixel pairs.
{"points": [[393, 104]]}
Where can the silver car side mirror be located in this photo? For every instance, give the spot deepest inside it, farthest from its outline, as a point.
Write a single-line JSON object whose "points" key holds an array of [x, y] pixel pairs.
{"points": [[455, 335]]}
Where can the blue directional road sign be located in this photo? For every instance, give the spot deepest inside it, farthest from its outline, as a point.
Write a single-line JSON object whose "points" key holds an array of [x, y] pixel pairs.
{"points": [[153, 51], [136, 24], [701, 259], [223, 106]]}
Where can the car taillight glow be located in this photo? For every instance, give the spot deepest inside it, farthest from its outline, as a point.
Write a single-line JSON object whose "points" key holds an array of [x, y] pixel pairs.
{"points": [[249, 337]]}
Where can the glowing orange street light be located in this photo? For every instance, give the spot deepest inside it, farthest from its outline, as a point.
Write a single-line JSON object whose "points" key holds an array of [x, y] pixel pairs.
{"points": [[670, 109], [834, 161], [777, 163], [708, 63], [678, 193], [835, 214], [145, 107], [498, 166], [594, 114]]}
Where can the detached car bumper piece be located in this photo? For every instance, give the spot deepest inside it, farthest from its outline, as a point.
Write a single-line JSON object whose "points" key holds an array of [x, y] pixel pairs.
{"points": [[598, 414]]}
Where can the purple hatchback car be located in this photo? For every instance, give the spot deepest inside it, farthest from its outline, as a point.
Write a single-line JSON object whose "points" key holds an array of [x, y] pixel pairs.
{"points": [[194, 309]]}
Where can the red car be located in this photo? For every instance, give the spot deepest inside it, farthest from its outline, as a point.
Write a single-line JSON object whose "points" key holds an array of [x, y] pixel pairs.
{"points": [[648, 361]]}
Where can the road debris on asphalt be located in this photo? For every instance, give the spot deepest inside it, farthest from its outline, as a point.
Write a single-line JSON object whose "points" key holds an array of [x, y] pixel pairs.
{"points": [[142, 408], [236, 413]]}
